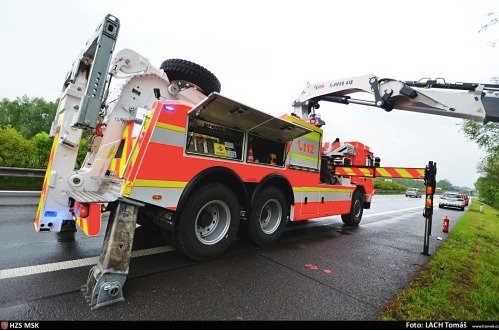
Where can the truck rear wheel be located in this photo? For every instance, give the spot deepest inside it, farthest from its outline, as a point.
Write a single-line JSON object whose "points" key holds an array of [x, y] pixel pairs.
{"points": [[356, 210], [268, 217], [177, 69], [208, 223]]}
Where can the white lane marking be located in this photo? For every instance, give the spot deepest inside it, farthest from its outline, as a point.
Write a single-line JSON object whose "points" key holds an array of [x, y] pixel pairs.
{"points": [[48, 267], [393, 211], [392, 220], [321, 221]]}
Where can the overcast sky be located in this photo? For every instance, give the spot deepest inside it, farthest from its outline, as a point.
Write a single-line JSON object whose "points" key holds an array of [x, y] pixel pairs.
{"points": [[264, 52]]}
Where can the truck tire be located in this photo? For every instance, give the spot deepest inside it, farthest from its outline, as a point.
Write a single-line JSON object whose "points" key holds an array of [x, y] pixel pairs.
{"points": [[356, 210], [168, 237], [268, 217], [177, 69], [68, 231], [208, 224]]}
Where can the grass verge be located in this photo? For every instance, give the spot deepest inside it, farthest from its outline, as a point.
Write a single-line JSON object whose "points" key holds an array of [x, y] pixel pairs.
{"points": [[461, 281], [21, 183]]}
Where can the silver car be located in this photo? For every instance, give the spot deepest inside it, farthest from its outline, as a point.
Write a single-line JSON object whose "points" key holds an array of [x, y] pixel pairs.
{"points": [[413, 192], [452, 199]]}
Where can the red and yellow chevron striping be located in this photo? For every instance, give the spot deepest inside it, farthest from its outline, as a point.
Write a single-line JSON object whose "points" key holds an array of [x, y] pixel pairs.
{"points": [[387, 172], [118, 163]]}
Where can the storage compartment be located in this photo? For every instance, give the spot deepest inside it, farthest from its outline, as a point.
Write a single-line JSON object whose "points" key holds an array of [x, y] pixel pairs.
{"points": [[267, 151], [214, 140]]}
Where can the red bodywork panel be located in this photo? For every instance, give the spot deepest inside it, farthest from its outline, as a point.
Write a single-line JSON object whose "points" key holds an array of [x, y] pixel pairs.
{"points": [[162, 169]]}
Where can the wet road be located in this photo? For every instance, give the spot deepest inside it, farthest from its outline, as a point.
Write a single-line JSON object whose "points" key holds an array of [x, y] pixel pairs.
{"points": [[319, 270]]}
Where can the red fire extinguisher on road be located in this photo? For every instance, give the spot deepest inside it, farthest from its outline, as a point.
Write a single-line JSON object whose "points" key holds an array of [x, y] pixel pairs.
{"points": [[445, 226]]}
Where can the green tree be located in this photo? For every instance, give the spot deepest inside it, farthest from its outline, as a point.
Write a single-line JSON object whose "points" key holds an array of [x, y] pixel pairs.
{"points": [[27, 116], [15, 150], [445, 185], [43, 145], [487, 137], [382, 184]]}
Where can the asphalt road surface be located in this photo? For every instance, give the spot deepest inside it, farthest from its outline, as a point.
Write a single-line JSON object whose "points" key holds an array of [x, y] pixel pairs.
{"points": [[319, 270]]}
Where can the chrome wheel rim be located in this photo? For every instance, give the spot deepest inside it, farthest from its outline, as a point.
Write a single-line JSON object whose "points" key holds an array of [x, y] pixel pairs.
{"points": [[270, 216], [357, 208], [212, 222]]}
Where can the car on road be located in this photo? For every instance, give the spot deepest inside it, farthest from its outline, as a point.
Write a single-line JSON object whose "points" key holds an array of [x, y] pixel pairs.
{"points": [[452, 199], [413, 192]]}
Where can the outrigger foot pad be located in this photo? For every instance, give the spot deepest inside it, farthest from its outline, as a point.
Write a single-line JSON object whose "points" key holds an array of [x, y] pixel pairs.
{"points": [[105, 281], [104, 288]]}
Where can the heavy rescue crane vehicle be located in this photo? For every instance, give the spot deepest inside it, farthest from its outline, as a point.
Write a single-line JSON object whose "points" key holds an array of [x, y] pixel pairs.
{"points": [[167, 149]]}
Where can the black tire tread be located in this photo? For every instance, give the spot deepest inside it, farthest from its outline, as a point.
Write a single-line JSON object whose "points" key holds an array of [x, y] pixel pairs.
{"points": [[182, 235], [349, 219], [178, 69], [251, 229]]}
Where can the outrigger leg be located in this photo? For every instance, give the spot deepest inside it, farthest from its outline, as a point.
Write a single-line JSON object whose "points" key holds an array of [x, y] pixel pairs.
{"points": [[105, 280]]}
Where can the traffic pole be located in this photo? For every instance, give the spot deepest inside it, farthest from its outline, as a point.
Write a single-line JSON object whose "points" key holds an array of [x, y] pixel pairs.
{"points": [[430, 183]]}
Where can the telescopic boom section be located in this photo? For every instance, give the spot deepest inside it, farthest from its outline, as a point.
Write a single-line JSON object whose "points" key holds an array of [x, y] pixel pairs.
{"points": [[462, 100]]}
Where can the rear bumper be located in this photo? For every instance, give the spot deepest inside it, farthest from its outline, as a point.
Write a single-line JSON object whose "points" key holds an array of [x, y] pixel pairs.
{"points": [[451, 204]]}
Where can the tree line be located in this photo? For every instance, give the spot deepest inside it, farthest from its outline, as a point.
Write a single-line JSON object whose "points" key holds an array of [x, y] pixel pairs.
{"points": [[401, 184], [487, 138], [24, 132]]}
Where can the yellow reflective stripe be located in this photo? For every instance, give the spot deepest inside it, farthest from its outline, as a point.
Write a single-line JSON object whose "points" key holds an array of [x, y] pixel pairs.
{"points": [[111, 152], [321, 189], [147, 120], [158, 183], [349, 171], [365, 171], [403, 172], [82, 223], [420, 172], [383, 172], [135, 153], [301, 122], [126, 189], [112, 167], [85, 226], [314, 136], [170, 127], [124, 155], [304, 157]]}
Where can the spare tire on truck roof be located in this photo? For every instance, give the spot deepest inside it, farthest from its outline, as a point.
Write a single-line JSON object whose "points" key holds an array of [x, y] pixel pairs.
{"points": [[177, 69]]}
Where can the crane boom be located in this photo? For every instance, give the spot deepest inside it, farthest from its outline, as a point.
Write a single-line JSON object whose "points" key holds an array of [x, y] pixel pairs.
{"points": [[462, 100]]}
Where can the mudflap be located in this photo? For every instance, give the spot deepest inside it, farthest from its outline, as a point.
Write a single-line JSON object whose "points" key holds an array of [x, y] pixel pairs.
{"points": [[106, 280]]}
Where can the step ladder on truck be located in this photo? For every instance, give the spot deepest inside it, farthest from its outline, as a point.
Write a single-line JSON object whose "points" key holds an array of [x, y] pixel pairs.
{"points": [[166, 149]]}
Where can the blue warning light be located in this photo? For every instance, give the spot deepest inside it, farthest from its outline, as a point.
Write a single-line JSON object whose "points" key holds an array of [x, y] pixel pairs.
{"points": [[50, 213], [169, 108]]}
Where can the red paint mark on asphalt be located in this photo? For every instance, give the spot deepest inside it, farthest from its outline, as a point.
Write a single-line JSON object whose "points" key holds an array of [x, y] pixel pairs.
{"points": [[328, 271], [311, 266]]}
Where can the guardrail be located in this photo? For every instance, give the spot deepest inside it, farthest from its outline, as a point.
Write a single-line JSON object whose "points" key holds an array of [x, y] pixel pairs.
{"points": [[22, 172]]}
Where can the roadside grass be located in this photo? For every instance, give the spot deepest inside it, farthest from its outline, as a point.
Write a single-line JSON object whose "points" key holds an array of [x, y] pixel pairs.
{"points": [[21, 183], [461, 281]]}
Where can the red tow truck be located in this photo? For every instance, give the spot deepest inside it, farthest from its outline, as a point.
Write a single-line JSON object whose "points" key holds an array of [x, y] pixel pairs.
{"points": [[166, 149]]}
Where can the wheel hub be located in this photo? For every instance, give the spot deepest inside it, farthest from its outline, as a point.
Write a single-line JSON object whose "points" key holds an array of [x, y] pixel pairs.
{"points": [[357, 208], [270, 216], [212, 222]]}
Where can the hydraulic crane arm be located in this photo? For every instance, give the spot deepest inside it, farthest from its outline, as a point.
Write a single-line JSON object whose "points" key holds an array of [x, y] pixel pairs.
{"points": [[461, 100]]}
